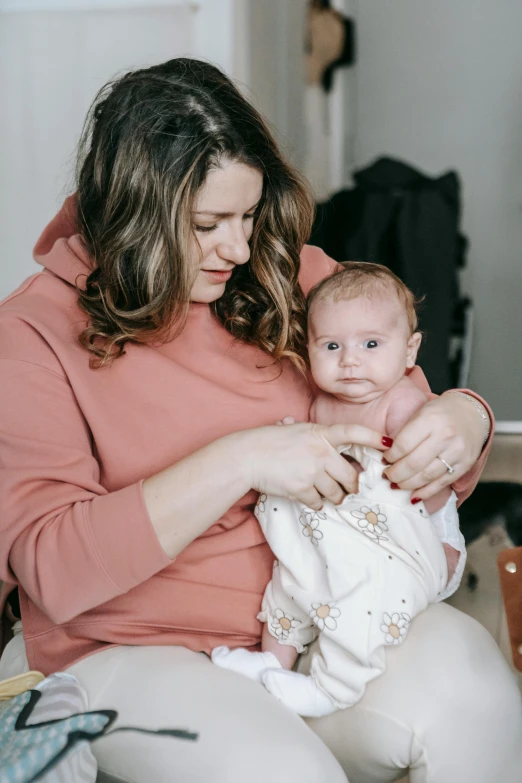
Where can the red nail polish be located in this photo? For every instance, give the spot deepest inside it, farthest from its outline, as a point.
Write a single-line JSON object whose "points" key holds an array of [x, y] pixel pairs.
{"points": [[415, 500], [388, 442], [393, 485]]}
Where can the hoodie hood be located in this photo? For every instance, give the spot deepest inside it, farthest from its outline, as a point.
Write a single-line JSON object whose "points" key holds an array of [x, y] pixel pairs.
{"points": [[60, 250]]}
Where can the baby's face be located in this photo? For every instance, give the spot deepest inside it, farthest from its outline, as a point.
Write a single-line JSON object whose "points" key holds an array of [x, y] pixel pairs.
{"points": [[360, 348]]}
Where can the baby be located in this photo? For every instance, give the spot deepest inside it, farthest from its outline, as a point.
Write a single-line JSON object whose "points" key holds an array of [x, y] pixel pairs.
{"points": [[352, 575]]}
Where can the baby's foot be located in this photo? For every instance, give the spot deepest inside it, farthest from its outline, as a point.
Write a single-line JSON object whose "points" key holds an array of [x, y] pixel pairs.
{"points": [[298, 692], [251, 664]]}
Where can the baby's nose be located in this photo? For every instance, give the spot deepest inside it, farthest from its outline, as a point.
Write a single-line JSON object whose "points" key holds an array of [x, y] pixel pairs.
{"points": [[350, 357]]}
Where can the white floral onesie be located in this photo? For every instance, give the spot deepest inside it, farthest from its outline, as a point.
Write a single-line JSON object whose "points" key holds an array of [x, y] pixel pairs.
{"points": [[354, 574]]}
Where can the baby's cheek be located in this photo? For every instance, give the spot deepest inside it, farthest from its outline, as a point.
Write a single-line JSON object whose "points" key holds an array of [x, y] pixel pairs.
{"points": [[323, 375], [387, 367], [317, 365]]}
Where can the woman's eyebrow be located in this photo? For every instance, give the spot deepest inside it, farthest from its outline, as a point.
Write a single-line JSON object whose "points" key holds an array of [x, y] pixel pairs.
{"points": [[223, 214], [213, 214]]}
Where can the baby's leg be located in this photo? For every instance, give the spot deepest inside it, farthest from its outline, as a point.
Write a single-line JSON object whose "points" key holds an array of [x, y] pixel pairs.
{"points": [[285, 653], [299, 692], [452, 560], [251, 664], [274, 655]]}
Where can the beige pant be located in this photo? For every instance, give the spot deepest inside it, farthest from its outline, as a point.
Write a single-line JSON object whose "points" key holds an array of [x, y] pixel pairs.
{"points": [[448, 708]]}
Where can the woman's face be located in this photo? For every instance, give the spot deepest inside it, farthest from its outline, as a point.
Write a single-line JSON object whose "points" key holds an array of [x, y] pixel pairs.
{"points": [[223, 220]]}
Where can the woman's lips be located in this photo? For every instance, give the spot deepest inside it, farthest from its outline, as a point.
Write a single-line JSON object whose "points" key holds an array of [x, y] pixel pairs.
{"points": [[218, 275]]}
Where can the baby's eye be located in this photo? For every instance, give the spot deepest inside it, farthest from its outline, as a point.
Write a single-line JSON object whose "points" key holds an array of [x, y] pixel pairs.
{"points": [[332, 346], [371, 344]]}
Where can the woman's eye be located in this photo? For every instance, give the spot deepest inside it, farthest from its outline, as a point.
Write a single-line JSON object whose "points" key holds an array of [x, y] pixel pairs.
{"points": [[205, 229], [249, 217], [371, 344], [332, 346]]}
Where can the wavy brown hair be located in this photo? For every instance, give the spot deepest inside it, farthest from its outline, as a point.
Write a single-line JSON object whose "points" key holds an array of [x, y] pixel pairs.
{"points": [[149, 141]]}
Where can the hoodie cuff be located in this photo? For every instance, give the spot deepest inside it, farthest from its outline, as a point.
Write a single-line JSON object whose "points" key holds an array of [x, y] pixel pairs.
{"points": [[467, 483], [124, 540]]}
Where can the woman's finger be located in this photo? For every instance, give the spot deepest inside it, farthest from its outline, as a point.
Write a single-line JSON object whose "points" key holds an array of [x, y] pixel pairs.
{"points": [[311, 498], [344, 434], [414, 463], [431, 489], [329, 489], [435, 471], [343, 472], [408, 439]]}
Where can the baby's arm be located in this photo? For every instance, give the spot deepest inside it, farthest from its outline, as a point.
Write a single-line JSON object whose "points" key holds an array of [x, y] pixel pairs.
{"points": [[321, 410]]}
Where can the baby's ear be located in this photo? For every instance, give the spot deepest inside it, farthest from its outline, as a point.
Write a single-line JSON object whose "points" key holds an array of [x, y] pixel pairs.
{"points": [[413, 349]]}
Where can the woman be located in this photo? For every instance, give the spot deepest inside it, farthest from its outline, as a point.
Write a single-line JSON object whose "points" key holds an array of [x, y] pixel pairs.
{"points": [[143, 374]]}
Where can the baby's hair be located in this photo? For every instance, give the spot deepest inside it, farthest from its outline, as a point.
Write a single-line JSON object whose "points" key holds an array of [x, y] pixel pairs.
{"points": [[354, 279]]}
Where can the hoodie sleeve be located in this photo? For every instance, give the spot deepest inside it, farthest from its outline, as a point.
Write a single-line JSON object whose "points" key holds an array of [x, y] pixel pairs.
{"points": [[465, 485], [315, 266], [68, 542]]}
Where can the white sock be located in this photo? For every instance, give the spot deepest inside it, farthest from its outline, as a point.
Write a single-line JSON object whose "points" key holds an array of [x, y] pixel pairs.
{"points": [[298, 692], [251, 664]]}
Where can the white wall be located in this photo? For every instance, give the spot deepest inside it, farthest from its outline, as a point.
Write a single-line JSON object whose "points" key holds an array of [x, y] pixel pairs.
{"points": [[276, 35], [439, 84], [214, 21], [54, 56]]}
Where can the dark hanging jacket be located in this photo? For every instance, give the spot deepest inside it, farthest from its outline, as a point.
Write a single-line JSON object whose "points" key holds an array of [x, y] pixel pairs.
{"points": [[407, 221]]}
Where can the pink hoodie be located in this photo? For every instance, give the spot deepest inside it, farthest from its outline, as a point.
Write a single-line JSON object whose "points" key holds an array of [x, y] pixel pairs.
{"points": [[76, 444]]}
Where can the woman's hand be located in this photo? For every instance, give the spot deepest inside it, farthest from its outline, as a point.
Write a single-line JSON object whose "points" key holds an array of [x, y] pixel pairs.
{"points": [[301, 462], [448, 428]]}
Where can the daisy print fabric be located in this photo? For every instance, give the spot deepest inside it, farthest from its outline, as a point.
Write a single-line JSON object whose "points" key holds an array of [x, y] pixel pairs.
{"points": [[310, 522], [325, 616], [282, 625], [261, 503], [395, 627], [331, 587], [372, 522]]}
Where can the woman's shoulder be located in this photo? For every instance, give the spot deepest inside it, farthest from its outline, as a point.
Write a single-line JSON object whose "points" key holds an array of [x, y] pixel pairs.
{"points": [[31, 321], [315, 266]]}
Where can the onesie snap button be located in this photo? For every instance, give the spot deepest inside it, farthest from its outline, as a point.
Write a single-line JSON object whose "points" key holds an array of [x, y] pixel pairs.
{"points": [[511, 567]]}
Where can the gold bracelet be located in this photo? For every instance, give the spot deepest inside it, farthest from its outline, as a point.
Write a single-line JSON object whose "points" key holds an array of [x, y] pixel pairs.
{"points": [[478, 407]]}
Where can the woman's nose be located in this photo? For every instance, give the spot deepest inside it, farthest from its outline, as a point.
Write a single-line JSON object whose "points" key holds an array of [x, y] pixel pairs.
{"points": [[236, 248]]}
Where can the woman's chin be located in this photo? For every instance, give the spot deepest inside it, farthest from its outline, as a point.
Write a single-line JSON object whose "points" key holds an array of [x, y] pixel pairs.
{"points": [[205, 294]]}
